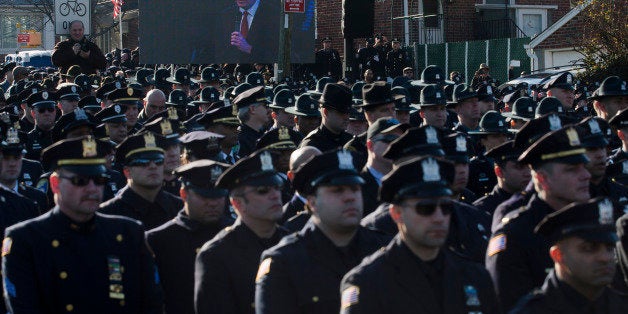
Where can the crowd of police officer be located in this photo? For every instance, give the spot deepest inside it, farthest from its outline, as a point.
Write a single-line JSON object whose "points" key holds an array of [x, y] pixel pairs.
{"points": [[200, 190]]}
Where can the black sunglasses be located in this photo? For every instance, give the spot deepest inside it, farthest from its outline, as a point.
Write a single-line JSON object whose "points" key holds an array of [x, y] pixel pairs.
{"points": [[84, 180], [49, 109], [427, 208], [143, 162]]}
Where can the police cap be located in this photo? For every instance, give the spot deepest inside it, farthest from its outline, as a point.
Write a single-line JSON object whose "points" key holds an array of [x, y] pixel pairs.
{"points": [[420, 177], [200, 177], [201, 144], [143, 145], [84, 155], [424, 140], [112, 114], [280, 138], [612, 86], [592, 221], [337, 167], [562, 145], [257, 169]]}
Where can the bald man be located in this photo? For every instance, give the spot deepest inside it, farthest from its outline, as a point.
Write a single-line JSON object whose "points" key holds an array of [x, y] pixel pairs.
{"points": [[154, 102], [295, 208]]}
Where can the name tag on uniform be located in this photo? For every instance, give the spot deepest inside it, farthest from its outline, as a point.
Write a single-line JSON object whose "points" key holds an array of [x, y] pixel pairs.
{"points": [[116, 290]]}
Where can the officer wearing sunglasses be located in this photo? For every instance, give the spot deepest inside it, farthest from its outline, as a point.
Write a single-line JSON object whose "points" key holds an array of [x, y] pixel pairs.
{"points": [[81, 260], [143, 198], [227, 264], [43, 108], [415, 271]]}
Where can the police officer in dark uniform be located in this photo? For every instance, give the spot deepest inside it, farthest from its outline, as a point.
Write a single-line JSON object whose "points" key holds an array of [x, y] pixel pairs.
{"points": [[143, 198], [415, 271], [532, 131], [227, 264], [620, 124], [595, 139], [582, 239], [369, 58], [328, 62], [222, 121], [469, 230], [335, 105], [561, 87], [493, 132], [43, 105], [517, 258], [302, 273], [396, 60], [45, 259], [176, 242], [170, 130], [130, 99], [377, 102], [512, 176], [251, 107], [11, 152]]}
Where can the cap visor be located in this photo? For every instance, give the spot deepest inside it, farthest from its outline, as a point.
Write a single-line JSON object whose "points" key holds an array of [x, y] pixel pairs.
{"points": [[86, 169], [269, 179], [344, 180], [210, 193]]}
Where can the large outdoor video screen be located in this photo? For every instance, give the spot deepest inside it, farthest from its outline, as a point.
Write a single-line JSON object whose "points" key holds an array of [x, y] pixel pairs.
{"points": [[215, 31]]}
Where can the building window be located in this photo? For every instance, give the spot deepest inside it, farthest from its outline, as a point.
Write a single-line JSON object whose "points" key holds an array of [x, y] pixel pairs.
{"points": [[9, 27]]}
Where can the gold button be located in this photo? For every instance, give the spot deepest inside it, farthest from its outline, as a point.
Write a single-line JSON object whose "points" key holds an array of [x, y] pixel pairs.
{"points": [[253, 305], [69, 307], [122, 269], [122, 303], [198, 249], [63, 275], [315, 298], [55, 243], [119, 238]]}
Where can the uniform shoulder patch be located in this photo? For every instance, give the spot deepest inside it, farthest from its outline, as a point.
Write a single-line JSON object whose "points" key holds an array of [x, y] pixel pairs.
{"points": [[350, 296], [42, 185], [6, 246], [264, 268], [496, 244]]}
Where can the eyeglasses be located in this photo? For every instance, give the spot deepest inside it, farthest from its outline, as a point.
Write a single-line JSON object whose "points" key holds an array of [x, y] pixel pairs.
{"points": [[143, 162], [49, 109], [427, 208], [263, 190], [385, 138], [84, 180]]}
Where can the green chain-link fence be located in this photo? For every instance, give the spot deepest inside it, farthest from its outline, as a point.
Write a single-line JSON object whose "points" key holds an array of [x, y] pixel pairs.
{"points": [[465, 57]]}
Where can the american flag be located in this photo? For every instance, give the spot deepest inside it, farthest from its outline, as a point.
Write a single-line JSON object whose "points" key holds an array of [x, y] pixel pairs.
{"points": [[117, 7]]}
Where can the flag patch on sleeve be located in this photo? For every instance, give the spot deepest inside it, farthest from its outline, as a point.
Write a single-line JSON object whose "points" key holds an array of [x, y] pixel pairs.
{"points": [[350, 296], [497, 244]]}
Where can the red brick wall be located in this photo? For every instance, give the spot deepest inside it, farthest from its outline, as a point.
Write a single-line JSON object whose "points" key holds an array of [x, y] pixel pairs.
{"points": [[459, 15]]}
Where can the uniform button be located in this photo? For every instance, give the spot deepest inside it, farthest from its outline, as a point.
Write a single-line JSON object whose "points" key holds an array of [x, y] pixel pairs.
{"points": [[198, 249], [63, 275], [55, 243], [122, 303], [119, 238], [315, 298], [253, 305], [122, 269], [69, 307]]}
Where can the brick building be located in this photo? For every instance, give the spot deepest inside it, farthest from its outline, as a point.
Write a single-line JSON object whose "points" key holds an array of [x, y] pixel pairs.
{"points": [[467, 20]]}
